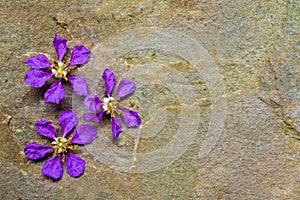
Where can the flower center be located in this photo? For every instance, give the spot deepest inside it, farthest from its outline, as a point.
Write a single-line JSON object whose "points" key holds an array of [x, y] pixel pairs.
{"points": [[110, 105], [62, 145], [59, 70]]}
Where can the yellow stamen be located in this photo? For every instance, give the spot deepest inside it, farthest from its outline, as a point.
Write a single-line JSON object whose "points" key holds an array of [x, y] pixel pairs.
{"points": [[62, 146], [110, 106], [60, 71]]}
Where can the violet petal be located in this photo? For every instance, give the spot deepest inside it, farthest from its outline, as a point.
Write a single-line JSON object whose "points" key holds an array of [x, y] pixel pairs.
{"points": [[79, 85], [109, 79], [116, 127], [131, 118], [53, 167], [35, 151], [80, 54], [67, 121], [90, 117], [99, 115], [38, 62], [75, 165], [36, 78], [92, 102], [125, 88], [60, 46], [55, 93], [84, 134], [45, 128]]}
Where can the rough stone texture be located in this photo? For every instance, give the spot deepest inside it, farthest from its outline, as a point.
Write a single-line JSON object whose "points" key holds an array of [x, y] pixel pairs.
{"points": [[255, 46]]}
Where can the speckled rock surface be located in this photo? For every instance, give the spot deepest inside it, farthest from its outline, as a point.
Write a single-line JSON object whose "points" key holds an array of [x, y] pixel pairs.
{"points": [[218, 93]]}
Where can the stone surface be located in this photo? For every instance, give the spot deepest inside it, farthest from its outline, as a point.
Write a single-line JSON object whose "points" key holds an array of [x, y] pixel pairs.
{"points": [[240, 102]]}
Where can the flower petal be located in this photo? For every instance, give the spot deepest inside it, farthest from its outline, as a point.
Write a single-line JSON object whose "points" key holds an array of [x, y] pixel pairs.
{"points": [[116, 127], [35, 151], [45, 128], [84, 134], [38, 62], [92, 102], [60, 46], [109, 79], [99, 115], [79, 85], [80, 54], [90, 117], [55, 93], [125, 88], [75, 165], [67, 121], [36, 78], [53, 167], [131, 118]]}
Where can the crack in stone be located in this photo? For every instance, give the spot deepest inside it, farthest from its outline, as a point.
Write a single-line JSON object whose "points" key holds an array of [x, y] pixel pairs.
{"points": [[135, 149]]}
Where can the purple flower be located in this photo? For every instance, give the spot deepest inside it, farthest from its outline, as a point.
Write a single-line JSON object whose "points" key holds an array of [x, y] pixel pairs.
{"points": [[36, 77], [110, 105], [61, 146]]}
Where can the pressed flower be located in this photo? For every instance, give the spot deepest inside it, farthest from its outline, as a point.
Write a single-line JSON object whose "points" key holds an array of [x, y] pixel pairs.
{"points": [[36, 77], [61, 147], [110, 105]]}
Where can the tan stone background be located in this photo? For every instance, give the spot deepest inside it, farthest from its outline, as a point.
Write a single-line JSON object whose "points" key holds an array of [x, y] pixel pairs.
{"points": [[255, 47]]}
